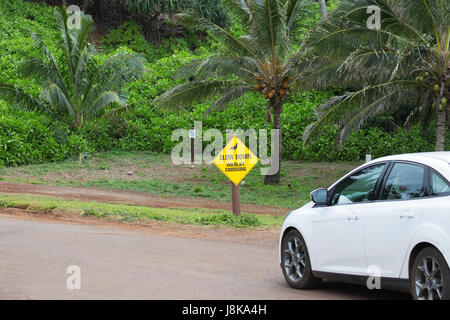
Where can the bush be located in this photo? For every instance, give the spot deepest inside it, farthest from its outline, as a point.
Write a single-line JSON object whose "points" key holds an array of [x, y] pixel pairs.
{"points": [[246, 220], [17, 20], [29, 137], [374, 141]]}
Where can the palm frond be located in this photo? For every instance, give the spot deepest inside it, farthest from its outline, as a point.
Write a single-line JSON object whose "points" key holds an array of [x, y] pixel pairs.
{"points": [[21, 99], [220, 66], [244, 45], [105, 99], [423, 113], [196, 91], [352, 110], [426, 16], [232, 95], [112, 74], [293, 13], [240, 9], [56, 97], [66, 39], [81, 36], [52, 72], [346, 29], [41, 71], [269, 28]]}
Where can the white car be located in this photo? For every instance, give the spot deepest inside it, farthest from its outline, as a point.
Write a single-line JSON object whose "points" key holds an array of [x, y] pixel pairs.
{"points": [[386, 225]]}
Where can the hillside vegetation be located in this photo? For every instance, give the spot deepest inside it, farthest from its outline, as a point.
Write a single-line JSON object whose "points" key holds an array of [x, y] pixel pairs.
{"points": [[28, 137]]}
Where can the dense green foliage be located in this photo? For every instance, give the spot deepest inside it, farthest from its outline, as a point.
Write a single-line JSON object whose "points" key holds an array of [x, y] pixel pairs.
{"points": [[402, 63], [74, 84], [31, 137], [152, 130], [28, 137]]}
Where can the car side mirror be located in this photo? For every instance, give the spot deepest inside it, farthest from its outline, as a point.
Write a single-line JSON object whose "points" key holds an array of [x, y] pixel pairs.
{"points": [[320, 196]]}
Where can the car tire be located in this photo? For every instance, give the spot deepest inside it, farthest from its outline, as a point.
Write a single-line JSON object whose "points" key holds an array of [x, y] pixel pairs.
{"points": [[295, 262], [430, 276]]}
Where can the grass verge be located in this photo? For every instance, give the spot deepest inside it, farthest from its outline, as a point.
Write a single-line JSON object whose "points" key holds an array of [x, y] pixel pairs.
{"points": [[137, 214], [154, 173]]}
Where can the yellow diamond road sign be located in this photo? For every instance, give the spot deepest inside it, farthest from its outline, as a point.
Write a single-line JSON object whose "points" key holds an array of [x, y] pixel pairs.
{"points": [[236, 160]]}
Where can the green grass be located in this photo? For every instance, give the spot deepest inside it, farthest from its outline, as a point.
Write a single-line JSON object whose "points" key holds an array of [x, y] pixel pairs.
{"points": [[154, 173], [137, 214]]}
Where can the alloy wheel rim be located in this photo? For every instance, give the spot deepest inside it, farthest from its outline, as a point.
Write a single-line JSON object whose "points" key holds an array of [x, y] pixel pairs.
{"points": [[428, 280], [295, 259]]}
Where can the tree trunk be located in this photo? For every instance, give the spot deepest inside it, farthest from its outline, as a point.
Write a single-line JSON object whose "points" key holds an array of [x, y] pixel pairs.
{"points": [[97, 8], [323, 8], [152, 27], [277, 108], [448, 118], [441, 128]]}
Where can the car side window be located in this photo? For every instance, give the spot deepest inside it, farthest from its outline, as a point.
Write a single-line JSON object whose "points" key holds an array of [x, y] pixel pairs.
{"points": [[406, 181], [359, 187], [438, 185]]}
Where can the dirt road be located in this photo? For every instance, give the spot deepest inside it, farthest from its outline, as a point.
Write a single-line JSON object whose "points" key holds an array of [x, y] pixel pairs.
{"points": [[128, 263]]}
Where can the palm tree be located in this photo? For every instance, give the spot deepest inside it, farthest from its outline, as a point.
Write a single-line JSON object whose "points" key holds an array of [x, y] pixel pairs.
{"points": [[405, 61], [74, 84], [260, 60]]}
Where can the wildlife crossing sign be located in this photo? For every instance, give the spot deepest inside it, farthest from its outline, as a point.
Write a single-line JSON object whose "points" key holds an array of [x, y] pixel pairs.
{"points": [[236, 160]]}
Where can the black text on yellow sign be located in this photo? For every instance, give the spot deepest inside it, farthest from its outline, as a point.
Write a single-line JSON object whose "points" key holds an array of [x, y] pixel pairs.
{"points": [[236, 160]]}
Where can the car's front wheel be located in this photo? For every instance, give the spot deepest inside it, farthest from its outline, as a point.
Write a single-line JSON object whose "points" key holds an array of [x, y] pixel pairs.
{"points": [[430, 276], [295, 263]]}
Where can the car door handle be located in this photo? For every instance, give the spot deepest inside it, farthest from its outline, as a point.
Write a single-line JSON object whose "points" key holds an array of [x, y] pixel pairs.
{"points": [[407, 215], [354, 217]]}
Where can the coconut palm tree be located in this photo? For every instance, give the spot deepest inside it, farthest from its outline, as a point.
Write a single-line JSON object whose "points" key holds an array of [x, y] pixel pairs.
{"points": [[259, 61], [74, 85], [405, 60]]}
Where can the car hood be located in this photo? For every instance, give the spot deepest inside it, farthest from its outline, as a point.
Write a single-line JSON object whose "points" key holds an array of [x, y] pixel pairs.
{"points": [[304, 208]]}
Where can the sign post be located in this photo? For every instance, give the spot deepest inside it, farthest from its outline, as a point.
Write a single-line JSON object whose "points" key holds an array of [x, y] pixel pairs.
{"points": [[236, 161], [192, 137], [236, 199]]}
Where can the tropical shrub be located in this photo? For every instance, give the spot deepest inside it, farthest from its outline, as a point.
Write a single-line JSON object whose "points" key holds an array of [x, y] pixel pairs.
{"points": [[30, 137]]}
